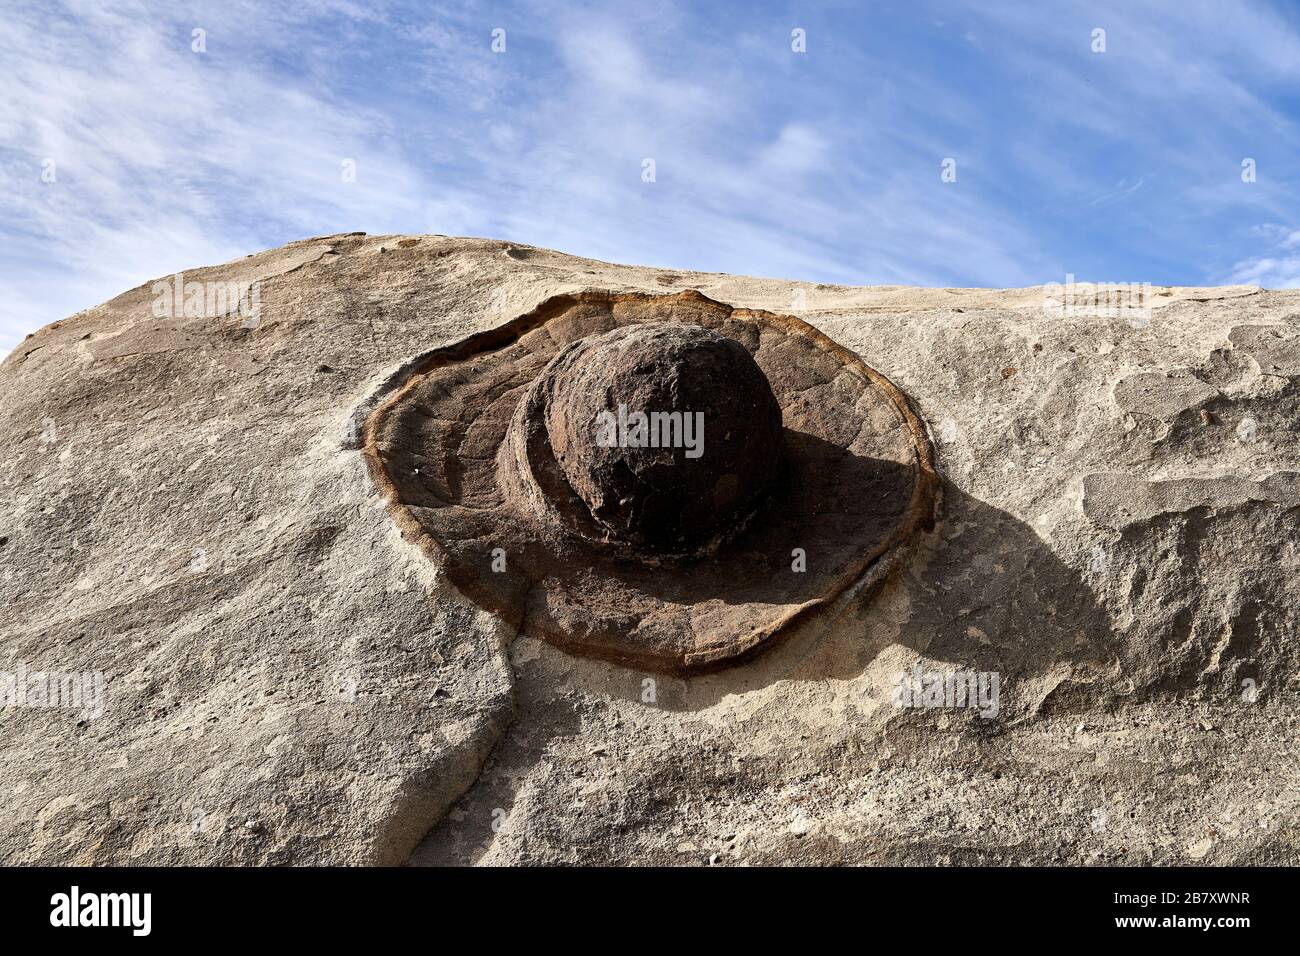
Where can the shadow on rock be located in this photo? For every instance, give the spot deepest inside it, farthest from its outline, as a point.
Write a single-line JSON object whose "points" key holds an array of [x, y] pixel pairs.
{"points": [[984, 593]]}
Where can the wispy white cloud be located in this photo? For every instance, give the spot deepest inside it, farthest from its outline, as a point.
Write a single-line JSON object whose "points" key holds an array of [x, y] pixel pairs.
{"points": [[822, 166], [1270, 272], [163, 158], [1278, 267]]}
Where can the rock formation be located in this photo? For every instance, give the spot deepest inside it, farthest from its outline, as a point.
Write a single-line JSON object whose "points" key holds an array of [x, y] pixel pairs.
{"points": [[286, 674]]}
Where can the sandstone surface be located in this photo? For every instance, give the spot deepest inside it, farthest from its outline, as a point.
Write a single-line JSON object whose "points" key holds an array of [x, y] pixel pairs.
{"points": [[184, 510]]}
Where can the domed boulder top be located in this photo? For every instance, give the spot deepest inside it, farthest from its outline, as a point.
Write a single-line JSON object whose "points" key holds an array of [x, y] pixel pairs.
{"points": [[625, 414]]}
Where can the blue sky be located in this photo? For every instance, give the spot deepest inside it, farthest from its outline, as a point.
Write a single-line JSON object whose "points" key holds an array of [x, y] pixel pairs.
{"points": [[1123, 165]]}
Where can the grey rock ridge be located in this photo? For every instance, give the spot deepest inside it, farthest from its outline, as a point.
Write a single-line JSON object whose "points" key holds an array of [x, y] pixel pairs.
{"points": [[217, 646]]}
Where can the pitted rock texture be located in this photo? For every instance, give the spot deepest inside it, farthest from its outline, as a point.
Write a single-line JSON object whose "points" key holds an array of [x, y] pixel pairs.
{"points": [[662, 488], [184, 509], [466, 453]]}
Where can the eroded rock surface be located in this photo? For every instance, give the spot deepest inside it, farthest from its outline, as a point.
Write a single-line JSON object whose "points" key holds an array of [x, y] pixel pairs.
{"points": [[184, 511]]}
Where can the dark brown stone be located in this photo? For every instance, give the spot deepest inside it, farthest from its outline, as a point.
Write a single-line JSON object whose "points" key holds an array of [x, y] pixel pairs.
{"points": [[669, 434]]}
